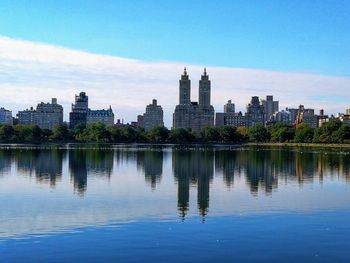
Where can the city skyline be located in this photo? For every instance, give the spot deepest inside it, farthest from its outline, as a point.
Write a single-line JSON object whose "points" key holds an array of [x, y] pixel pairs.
{"points": [[297, 51]]}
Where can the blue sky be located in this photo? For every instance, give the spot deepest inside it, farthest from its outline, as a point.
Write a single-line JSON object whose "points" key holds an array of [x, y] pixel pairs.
{"points": [[297, 36]]}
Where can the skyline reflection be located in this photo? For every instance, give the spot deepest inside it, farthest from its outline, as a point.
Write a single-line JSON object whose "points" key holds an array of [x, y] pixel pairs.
{"points": [[262, 170]]}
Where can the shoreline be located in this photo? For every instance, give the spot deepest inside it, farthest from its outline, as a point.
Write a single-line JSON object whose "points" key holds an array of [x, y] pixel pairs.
{"points": [[106, 144]]}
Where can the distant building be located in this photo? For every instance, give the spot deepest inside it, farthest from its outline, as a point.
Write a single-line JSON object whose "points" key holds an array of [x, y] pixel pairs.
{"points": [[307, 116], [48, 115], [26, 117], [348, 111], [255, 113], [283, 116], [6, 117], [153, 116], [229, 107], [119, 124], [270, 107], [193, 115], [105, 117], [79, 110], [230, 118], [141, 121]]}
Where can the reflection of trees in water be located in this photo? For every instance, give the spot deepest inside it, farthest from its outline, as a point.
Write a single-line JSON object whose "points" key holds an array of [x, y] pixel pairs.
{"points": [[46, 164], [97, 162], [196, 167], [151, 163], [5, 161]]}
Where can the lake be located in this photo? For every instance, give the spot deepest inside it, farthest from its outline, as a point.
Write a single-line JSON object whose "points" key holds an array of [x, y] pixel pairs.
{"points": [[141, 203]]}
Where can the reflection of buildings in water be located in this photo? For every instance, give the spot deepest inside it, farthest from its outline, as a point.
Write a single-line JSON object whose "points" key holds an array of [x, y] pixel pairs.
{"points": [[197, 167], [260, 171], [83, 161], [5, 161], [229, 163], [78, 169], [151, 163], [45, 164], [100, 162]]}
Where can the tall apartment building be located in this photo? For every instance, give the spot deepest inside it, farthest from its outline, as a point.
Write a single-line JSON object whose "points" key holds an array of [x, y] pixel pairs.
{"points": [[194, 115], [153, 117], [270, 107], [105, 117], [6, 117], [79, 110], [307, 116], [46, 115], [255, 113]]}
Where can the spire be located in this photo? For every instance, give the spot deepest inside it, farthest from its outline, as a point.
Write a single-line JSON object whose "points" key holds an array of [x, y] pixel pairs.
{"points": [[185, 72], [205, 71]]}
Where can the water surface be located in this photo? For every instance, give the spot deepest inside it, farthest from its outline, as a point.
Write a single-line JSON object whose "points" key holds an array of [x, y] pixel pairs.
{"points": [[176, 204]]}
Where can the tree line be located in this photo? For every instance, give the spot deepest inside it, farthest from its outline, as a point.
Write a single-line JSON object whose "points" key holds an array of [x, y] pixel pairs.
{"points": [[331, 132]]}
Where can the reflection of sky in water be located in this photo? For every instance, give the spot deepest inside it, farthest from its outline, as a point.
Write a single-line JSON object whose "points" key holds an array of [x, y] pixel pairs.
{"points": [[52, 190]]}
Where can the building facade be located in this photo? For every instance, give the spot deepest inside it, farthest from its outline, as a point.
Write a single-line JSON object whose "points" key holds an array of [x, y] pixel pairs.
{"points": [[105, 117], [255, 113], [270, 107], [307, 116], [79, 110], [153, 117], [194, 115], [26, 117], [6, 117], [48, 115]]}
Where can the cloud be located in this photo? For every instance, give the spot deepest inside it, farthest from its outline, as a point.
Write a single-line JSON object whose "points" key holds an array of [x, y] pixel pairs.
{"points": [[34, 72]]}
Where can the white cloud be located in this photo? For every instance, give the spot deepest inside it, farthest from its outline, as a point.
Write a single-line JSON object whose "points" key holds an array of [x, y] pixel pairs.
{"points": [[33, 72]]}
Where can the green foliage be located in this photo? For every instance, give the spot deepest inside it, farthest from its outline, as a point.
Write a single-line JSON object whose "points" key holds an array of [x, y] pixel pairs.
{"points": [[97, 133], [61, 133], [158, 135], [181, 135], [259, 133], [281, 133], [6, 133], [304, 134], [210, 134], [229, 134], [343, 134]]}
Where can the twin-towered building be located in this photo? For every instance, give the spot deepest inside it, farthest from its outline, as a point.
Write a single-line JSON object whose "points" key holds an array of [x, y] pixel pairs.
{"points": [[194, 115]]}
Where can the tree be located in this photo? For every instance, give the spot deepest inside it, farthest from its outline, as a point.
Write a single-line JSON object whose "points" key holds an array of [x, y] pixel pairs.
{"points": [[61, 133], [181, 135], [304, 134], [97, 132], [6, 133], [259, 133], [282, 133], [210, 134], [343, 134], [158, 134], [229, 133]]}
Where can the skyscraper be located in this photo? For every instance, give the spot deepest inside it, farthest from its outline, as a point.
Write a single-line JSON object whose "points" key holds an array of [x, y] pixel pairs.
{"points": [[194, 115], [255, 113], [270, 107], [79, 110], [153, 116]]}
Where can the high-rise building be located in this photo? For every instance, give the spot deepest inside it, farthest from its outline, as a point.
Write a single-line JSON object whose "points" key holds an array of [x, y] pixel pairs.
{"points": [[48, 115], [6, 117], [307, 116], [348, 111], [270, 107], [229, 107], [26, 117], [79, 110], [193, 115], [255, 113], [153, 116], [105, 117], [236, 119]]}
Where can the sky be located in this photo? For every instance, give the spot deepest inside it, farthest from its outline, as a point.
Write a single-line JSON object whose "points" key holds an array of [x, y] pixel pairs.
{"points": [[125, 53]]}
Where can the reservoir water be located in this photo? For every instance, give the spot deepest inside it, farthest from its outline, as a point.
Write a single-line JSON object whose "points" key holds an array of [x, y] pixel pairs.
{"points": [[141, 203]]}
